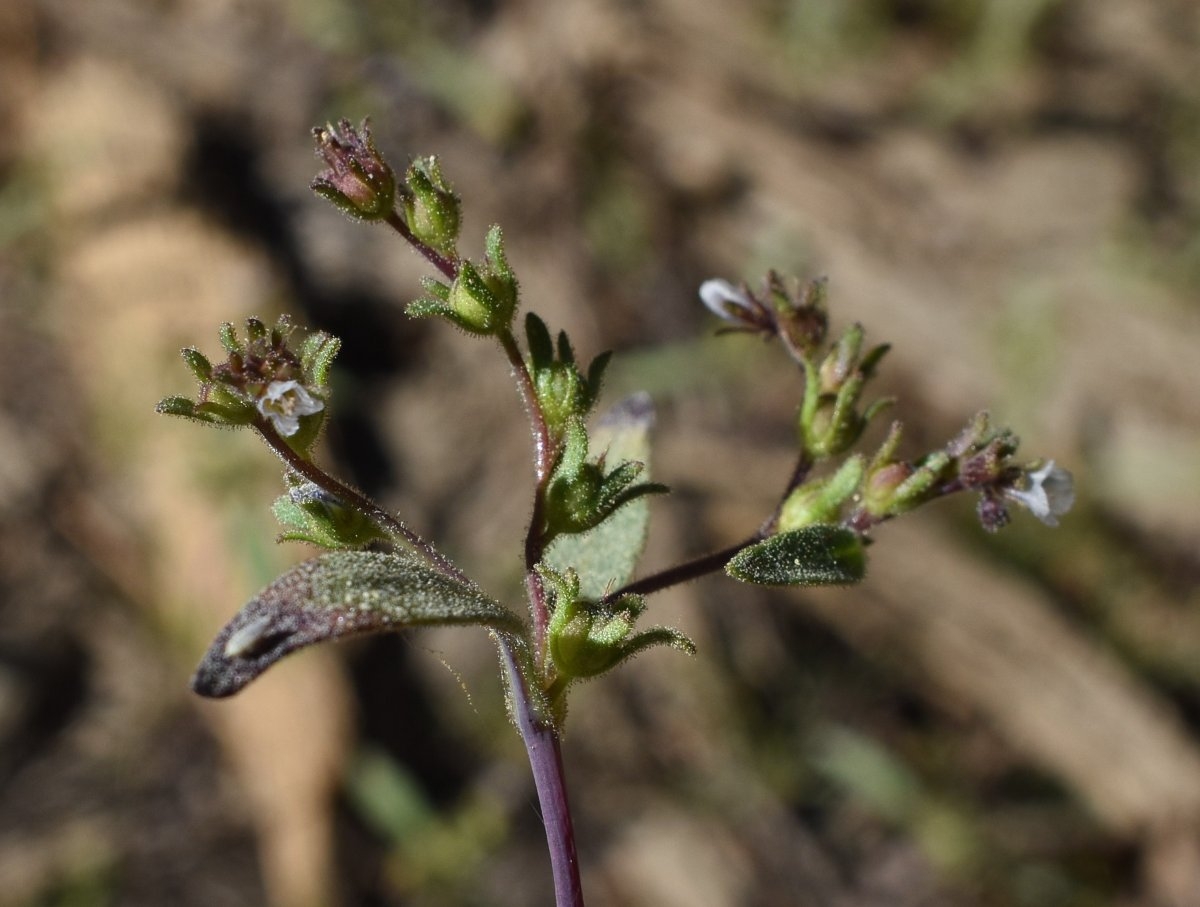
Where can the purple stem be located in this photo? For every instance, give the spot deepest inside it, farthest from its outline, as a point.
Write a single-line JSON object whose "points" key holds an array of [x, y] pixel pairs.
{"points": [[545, 758], [448, 266], [537, 732], [682, 573]]}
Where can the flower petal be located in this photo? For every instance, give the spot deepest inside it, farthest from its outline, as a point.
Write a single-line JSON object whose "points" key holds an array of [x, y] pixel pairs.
{"points": [[720, 297]]}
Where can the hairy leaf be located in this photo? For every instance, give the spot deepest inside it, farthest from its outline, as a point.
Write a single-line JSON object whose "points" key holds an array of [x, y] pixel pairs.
{"points": [[819, 555], [339, 594]]}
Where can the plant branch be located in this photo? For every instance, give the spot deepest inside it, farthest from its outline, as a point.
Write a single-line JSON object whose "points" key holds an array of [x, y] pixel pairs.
{"points": [[448, 266], [355, 499], [682, 573], [545, 758]]}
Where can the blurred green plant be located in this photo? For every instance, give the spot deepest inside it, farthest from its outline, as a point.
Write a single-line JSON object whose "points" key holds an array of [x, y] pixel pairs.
{"points": [[589, 514]]}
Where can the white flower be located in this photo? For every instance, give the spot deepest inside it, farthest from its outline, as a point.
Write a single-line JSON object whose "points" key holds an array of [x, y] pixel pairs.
{"points": [[1049, 492], [720, 295], [284, 402]]}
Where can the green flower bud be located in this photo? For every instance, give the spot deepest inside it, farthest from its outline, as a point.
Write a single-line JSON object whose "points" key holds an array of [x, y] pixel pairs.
{"points": [[821, 500], [482, 299], [432, 210]]}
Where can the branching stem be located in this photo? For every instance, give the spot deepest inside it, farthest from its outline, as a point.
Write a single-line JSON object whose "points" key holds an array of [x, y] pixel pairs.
{"points": [[355, 499]]}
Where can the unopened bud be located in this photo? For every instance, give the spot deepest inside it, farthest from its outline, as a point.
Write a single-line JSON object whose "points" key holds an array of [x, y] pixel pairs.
{"points": [[431, 208], [359, 180]]}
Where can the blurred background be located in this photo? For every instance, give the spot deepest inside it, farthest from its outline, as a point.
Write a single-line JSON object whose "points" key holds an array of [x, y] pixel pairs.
{"points": [[1006, 190]]}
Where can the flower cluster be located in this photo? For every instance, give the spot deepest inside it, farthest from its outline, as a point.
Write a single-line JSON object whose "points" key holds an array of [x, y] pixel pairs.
{"points": [[263, 382], [859, 494]]}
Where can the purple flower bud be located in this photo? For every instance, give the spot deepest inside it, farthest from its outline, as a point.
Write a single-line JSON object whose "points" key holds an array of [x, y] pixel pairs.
{"points": [[359, 180]]}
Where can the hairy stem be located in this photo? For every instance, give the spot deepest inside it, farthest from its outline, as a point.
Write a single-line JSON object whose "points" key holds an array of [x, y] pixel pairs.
{"points": [[543, 463], [543, 455], [355, 499], [545, 758], [448, 266], [682, 573]]}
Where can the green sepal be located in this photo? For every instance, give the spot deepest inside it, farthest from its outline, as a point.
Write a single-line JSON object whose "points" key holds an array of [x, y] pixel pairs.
{"points": [[308, 515], [821, 500], [429, 308], [819, 555], [335, 595], [595, 375], [605, 557], [581, 495], [233, 414], [208, 413], [256, 330], [308, 431], [493, 247], [915, 489], [317, 353], [871, 361], [184, 408], [658, 636], [197, 364], [436, 288], [588, 638], [541, 347], [229, 338]]}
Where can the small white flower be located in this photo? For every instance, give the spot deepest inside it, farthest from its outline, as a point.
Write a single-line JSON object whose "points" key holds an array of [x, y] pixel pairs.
{"points": [[721, 297], [284, 402], [1049, 492]]}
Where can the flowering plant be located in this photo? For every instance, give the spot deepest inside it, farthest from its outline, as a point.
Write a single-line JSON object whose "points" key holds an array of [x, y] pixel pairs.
{"points": [[590, 489]]}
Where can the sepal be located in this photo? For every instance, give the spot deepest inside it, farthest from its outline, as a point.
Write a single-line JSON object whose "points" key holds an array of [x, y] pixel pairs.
{"points": [[581, 493], [562, 391], [482, 298], [606, 556], [310, 514], [588, 638]]}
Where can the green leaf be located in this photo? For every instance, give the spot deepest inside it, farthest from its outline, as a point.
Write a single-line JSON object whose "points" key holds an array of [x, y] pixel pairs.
{"points": [[343, 593], [605, 557], [820, 555]]}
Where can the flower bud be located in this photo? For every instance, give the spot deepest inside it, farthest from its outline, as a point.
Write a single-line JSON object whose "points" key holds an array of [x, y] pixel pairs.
{"points": [[481, 300], [821, 500], [432, 210], [359, 181]]}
